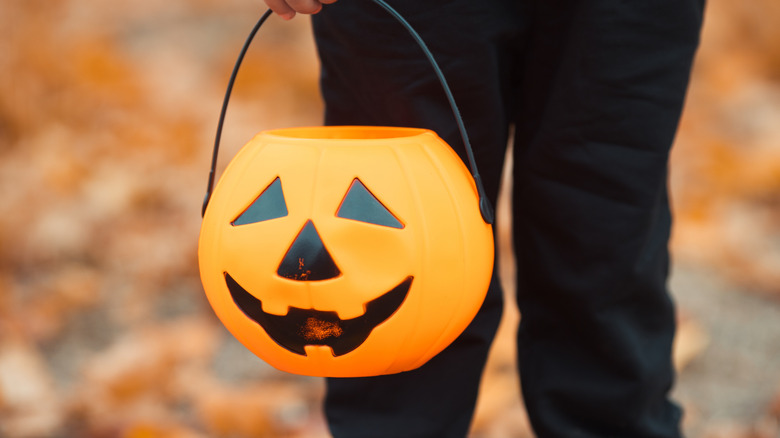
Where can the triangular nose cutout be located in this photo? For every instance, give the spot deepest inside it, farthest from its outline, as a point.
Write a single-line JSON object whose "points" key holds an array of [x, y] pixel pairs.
{"points": [[307, 259]]}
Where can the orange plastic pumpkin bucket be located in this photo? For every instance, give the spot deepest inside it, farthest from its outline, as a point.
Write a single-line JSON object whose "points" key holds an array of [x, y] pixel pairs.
{"points": [[345, 251]]}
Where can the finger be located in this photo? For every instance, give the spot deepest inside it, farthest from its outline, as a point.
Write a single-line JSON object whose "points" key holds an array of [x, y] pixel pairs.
{"points": [[305, 6], [281, 8]]}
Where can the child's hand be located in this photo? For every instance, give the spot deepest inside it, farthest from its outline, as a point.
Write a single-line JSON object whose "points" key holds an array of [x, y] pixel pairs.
{"points": [[287, 8]]}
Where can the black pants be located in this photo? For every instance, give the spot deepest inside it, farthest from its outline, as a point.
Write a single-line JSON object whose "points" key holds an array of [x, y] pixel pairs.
{"points": [[593, 90]]}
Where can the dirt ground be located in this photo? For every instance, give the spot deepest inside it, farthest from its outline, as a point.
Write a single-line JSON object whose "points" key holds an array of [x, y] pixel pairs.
{"points": [[734, 382], [107, 116]]}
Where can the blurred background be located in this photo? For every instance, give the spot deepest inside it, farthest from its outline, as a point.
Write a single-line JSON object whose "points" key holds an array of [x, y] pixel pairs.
{"points": [[107, 116]]}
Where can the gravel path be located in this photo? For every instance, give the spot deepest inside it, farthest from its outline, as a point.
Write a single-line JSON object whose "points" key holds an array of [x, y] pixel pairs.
{"points": [[736, 379]]}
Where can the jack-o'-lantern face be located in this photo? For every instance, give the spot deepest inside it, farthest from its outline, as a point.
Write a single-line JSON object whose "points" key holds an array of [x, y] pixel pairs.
{"points": [[308, 259], [345, 256]]}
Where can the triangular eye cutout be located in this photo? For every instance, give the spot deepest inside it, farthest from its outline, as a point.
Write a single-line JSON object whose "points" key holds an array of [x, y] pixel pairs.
{"points": [[361, 205], [269, 205]]}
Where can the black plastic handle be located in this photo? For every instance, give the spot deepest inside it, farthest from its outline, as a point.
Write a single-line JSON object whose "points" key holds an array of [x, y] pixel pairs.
{"points": [[485, 208]]}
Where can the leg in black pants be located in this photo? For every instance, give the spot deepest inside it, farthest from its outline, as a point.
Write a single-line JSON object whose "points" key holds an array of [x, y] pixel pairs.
{"points": [[602, 92], [594, 89], [373, 73]]}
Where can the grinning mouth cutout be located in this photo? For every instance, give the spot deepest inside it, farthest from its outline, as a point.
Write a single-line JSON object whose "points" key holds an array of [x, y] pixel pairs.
{"points": [[301, 327]]}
